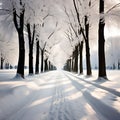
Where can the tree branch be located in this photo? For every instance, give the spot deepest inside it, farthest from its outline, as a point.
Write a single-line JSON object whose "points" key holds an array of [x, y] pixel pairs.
{"points": [[117, 5]]}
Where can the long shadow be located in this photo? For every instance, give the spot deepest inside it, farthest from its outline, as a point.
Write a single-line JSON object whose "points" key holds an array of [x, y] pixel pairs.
{"points": [[113, 91], [101, 108]]}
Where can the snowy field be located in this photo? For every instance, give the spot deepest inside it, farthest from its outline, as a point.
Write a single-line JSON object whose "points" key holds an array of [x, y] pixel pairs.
{"points": [[59, 95]]}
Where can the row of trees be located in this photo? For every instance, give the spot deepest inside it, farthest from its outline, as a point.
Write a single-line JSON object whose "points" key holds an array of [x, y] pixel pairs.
{"points": [[24, 24], [28, 17], [79, 25]]}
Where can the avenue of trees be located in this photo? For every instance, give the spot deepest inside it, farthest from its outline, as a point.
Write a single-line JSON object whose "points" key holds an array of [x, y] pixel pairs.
{"points": [[23, 16], [30, 18], [82, 16]]}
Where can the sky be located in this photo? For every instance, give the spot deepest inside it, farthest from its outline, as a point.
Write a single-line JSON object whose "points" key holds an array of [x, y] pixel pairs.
{"points": [[61, 47]]}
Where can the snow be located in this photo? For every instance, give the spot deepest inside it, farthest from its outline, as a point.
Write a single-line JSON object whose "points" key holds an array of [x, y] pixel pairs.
{"points": [[59, 95]]}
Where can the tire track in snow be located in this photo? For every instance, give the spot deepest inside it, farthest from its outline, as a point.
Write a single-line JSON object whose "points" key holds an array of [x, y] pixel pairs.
{"points": [[60, 108]]}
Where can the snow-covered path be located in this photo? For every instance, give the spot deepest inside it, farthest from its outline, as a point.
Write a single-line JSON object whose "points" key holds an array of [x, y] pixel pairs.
{"points": [[57, 95]]}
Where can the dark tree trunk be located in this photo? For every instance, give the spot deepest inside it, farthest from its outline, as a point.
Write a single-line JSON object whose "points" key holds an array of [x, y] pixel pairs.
{"points": [[81, 57], [31, 42], [46, 64], [118, 64], [7, 65], [88, 64], [2, 61], [101, 43], [76, 59], [42, 60], [72, 67], [52, 67], [21, 59], [49, 66], [70, 64], [37, 58], [30, 60], [73, 61], [85, 37], [19, 27]]}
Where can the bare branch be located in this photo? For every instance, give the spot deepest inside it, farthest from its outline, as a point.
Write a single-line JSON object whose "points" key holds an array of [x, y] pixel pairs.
{"points": [[78, 18], [51, 35], [113, 7], [47, 16]]}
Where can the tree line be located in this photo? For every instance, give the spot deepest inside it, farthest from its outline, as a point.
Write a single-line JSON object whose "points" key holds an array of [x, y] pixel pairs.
{"points": [[23, 14], [82, 21], [20, 23]]}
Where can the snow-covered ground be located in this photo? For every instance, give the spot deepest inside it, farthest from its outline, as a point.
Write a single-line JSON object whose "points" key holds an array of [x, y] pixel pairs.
{"points": [[59, 95]]}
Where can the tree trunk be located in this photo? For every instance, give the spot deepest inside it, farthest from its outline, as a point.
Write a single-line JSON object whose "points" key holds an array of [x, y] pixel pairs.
{"points": [[31, 42], [49, 66], [72, 67], [30, 59], [88, 64], [30, 49], [42, 59], [37, 58], [70, 64], [118, 64], [21, 59], [19, 25], [76, 59], [2, 61], [81, 57], [101, 42], [46, 64]]}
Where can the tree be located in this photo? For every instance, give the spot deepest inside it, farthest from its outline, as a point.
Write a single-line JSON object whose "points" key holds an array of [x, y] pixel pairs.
{"points": [[81, 57], [19, 25], [46, 64], [37, 56], [76, 59], [42, 56], [85, 35], [101, 42], [44, 44], [2, 60], [88, 63], [31, 37]]}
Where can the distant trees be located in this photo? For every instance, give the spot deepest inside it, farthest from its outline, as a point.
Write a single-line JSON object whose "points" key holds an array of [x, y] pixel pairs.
{"points": [[2, 60], [83, 16], [23, 14], [84, 31]]}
